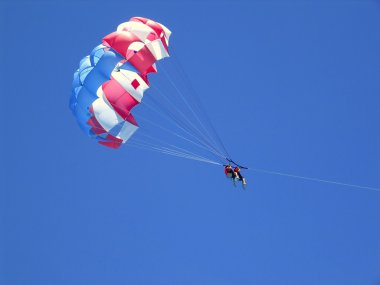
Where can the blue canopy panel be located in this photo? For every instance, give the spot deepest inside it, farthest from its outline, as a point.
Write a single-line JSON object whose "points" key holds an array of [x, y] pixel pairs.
{"points": [[94, 70]]}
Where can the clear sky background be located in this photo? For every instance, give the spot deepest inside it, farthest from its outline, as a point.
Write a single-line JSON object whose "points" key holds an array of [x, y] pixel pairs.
{"points": [[291, 86]]}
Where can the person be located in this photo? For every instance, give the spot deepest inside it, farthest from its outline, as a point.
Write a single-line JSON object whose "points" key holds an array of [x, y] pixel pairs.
{"points": [[229, 171], [238, 174]]}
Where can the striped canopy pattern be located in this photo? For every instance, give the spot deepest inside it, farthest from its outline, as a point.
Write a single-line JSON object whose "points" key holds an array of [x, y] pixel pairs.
{"points": [[112, 79]]}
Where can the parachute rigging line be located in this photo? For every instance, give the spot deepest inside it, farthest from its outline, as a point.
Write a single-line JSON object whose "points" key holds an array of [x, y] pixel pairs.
{"points": [[170, 152], [163, 111], [200, 144], [161, 144], [314, 179], [183, 98], [185, 78]]}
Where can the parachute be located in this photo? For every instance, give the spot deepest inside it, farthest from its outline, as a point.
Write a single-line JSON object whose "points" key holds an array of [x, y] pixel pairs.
{"points": [[112, 80]]}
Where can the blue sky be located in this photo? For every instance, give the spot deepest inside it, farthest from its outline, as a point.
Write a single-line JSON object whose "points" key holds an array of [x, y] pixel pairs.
{"points": [[296, 90]]}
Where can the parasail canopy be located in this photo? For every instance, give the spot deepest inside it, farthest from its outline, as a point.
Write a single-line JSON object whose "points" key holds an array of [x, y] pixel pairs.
{"points": [[112, 80]]}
